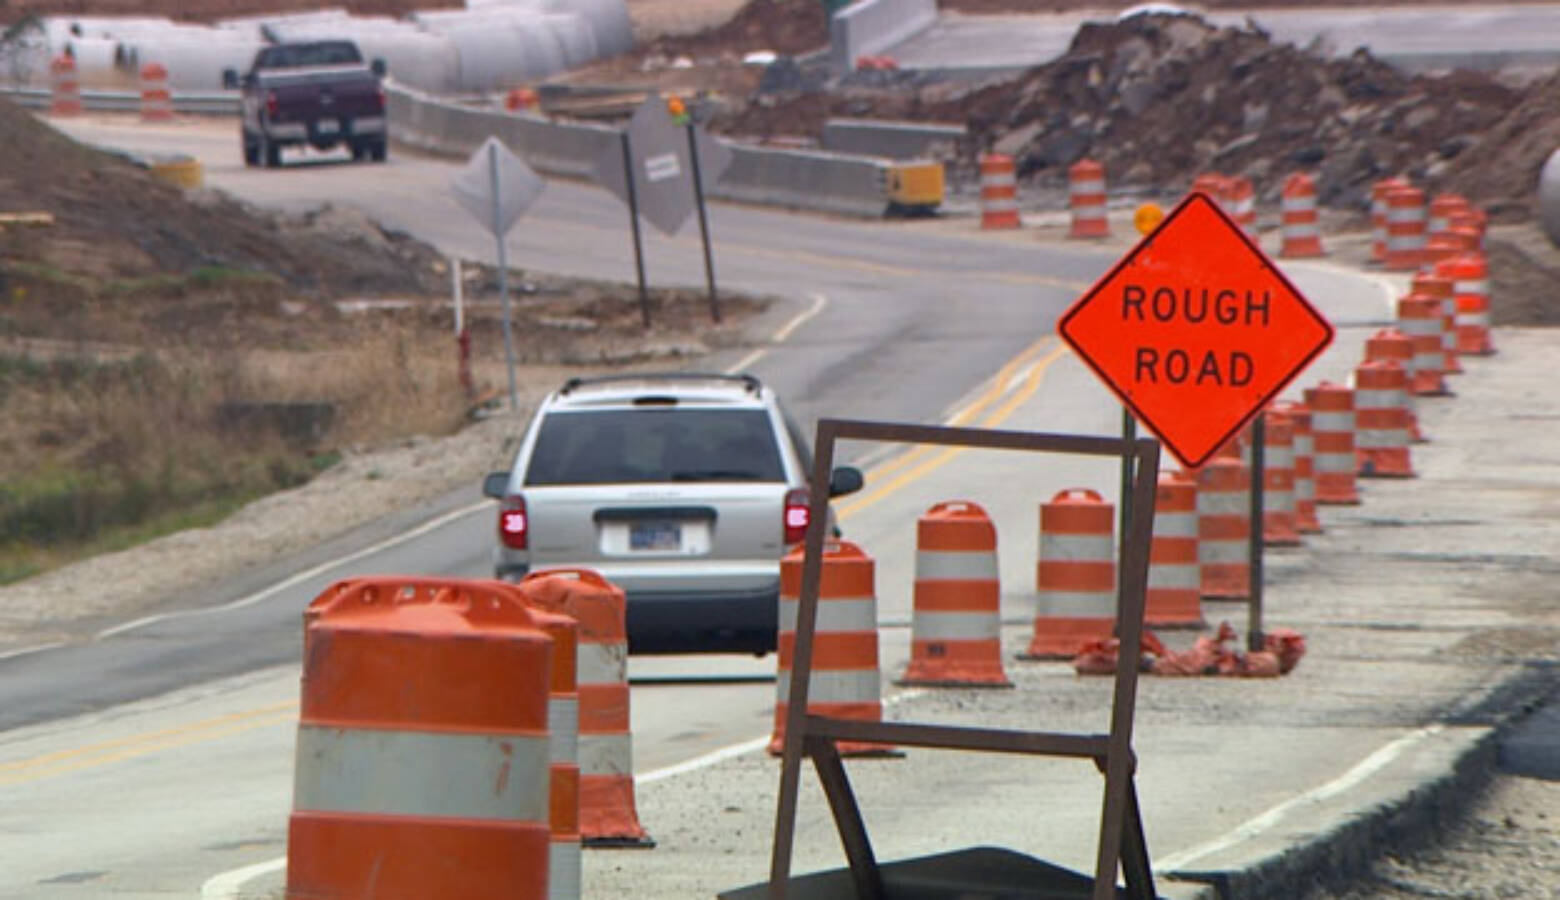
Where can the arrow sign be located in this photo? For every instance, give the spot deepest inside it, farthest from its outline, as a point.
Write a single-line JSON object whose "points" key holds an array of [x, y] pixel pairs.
{"points": [[1195, 330]]}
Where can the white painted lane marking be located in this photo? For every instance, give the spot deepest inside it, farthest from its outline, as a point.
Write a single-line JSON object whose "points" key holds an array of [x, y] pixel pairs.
{"points": [[797, 321], [1349, 780], [228, 885]]}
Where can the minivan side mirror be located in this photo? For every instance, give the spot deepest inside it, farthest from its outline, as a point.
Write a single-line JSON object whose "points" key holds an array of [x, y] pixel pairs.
{"points": [[495, 485], [845, 480], [377, 65], [230, 79]]}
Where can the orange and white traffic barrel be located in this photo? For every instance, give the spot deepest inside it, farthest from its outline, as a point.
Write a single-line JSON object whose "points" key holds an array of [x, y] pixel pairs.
{"points": [[1471, 292], [1405, 228], [1243, 204], [1430, 284], [1224, 528], [406, 775], [1300, 229], [563, 726], [1419, 320], [609, 816], [1280, 524], [1381, 432], [156, 101], [1392, 345], [1075, 576], [1332, 437], [1216, 186], [956, 622], [1306, 520], [1378, 216], [65, 97], [845, 681], [1174, 598], [1086, 199], [1442, 207], [998, 192], [1469, 225]]}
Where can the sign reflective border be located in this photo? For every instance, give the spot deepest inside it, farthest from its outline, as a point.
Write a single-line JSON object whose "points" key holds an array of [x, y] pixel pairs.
{"points": [[1195, 329]]}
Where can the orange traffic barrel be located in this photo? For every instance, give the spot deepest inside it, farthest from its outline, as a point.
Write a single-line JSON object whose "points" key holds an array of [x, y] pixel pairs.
{"points": [[1224, 528], [1280, 524], [1086, 199], [1442, 207], [1419, 320], [1332, 437], [956, 622], [65, 97], [998, 192], [1075, 576], [1306, 520], [1381, 431], [1216, 186], [1471, 293], [1243, 203], [609, 816], [1378, 216], [845, 680], [1392, 345], [1174, 597], [1405, 228], [156, 101], [1299, 226], [408, 774], [1432, 285]]}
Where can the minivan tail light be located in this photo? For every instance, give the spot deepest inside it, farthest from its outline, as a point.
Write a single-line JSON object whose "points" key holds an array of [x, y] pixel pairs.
{"points": [[513, 524], [797, 515], [272, 105]]}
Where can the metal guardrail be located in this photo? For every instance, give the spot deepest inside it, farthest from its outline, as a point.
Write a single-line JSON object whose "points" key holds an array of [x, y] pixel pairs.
{"points": [[204, 103]]}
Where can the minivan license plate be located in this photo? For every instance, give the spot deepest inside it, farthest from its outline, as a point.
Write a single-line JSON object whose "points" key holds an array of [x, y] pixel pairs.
{"points": [[654, 536]]}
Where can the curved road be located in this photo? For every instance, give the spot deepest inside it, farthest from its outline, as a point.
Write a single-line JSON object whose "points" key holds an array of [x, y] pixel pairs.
{"points": [[180, 745]]}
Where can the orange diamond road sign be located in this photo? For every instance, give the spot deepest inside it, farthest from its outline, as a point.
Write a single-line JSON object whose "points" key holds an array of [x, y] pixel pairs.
{"points": [[1195, 330]]}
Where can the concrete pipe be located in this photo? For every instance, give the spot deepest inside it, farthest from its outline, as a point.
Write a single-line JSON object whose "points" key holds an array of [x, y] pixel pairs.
{"points": [[1549, 197]]}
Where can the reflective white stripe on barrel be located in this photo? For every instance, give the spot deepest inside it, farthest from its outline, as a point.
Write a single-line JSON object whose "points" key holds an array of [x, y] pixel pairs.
{"points": [[477, 776], [606, 754], [836, 686], [602, 663], [956, 626], [943, 565], [1077, 548], [563, 722], [833, 615]]}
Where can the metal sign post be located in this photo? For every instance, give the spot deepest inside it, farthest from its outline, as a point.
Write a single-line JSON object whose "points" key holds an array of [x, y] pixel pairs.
{"points": [[1258, 476], [704, 220], [1121, 845], [633, 224]]}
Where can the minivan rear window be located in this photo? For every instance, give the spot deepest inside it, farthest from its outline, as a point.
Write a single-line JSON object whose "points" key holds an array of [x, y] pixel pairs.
{"points": [[655, 445]]}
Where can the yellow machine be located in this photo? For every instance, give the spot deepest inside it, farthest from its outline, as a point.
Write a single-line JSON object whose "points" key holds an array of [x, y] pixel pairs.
{"points": [[914, 188]]}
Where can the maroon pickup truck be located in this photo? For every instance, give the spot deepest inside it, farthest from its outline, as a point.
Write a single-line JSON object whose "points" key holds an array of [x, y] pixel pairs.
{"points": [[317, 94]]}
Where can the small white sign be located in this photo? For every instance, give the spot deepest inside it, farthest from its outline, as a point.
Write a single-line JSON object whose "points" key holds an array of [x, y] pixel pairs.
{"points": [[663, 167]]}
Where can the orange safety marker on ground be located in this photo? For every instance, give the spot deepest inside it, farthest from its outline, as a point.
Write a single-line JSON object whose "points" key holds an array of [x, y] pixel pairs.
{"points": [[1075, 576], [1306, 520], [1332, 435], [65, 98], [1280, 524], [1419, 319], [1381, 431], [1243, 204], [405, 774], [608, 814], [1432, 285], [956, 622], [1405, 228], [845, 678], [1224, 528], [1086, 198], [156, 101], [1174, 597], [1471, 292], [1378, 216], [1302, 235], [998, 192]]}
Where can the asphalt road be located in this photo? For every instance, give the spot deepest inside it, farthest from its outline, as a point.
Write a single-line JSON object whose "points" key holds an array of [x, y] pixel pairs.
{"points": [[159, 756]]}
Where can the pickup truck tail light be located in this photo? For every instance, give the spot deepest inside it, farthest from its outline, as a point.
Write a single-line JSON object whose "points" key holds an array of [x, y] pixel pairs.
{"points": [[379, 98], [514, 525], [797, 515], [272, 107]]}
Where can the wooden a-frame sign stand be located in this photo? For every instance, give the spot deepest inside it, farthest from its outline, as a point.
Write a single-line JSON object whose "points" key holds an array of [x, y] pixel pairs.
{"points": [[979, 872]]}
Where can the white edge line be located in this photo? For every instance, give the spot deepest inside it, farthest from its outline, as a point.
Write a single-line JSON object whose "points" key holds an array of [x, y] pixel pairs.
{"points": [[1367, 767], [24, 651], [819, 302], [300, 577], [227, 885]]}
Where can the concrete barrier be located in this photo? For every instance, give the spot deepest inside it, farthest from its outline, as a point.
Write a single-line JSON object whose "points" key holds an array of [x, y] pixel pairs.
{"points": [[869, 27], [895, 140]]}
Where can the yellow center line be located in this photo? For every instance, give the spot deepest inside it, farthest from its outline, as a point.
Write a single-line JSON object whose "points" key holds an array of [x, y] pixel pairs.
{"points": [[943, 456], [118, 749]]}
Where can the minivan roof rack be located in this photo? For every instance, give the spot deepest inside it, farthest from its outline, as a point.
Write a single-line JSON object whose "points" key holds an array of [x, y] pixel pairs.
{"points": [[750, 382]]}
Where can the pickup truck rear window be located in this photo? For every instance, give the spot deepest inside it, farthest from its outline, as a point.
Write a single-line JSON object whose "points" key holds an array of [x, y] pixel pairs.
{"points": [[655, 445], [293, 56]]}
